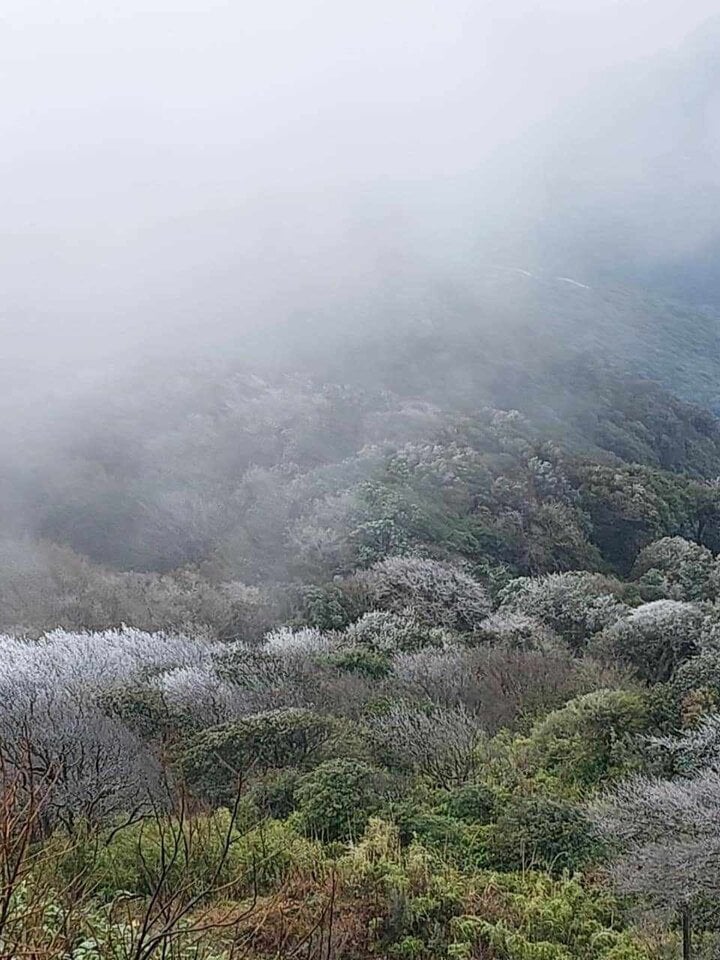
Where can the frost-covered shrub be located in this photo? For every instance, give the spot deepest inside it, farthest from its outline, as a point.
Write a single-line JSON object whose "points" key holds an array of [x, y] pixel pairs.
{"points": [[437, 593], [655, 638], [695, 687], [440, 744], [573, 605], [387, 632], [692, 751], [677, 569], [517, 631], [198, 694]]}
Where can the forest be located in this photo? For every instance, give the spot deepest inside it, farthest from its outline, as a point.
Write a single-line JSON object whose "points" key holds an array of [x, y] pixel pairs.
{"points": [[313, 667], [360, 480]]}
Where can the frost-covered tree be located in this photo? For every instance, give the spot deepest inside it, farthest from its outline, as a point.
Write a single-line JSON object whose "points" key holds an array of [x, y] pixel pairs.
{"points": [[285, 640], [96, 767], [441, 744], [665, 832], [518, 631], [446, 677], [574, 605], [386, 632], [655, 638], [678, 569], [72, 705], [438, 593]]}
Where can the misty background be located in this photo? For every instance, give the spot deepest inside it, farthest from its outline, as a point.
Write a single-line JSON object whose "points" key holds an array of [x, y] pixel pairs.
{"points": [[191, 169], [245, 252]]}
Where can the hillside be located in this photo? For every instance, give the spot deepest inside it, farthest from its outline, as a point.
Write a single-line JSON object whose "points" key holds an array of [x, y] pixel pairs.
{"points": [[308, 668]]}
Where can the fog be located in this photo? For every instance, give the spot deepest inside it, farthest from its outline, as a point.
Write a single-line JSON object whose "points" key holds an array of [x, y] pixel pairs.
{"points": [[177, 168]]}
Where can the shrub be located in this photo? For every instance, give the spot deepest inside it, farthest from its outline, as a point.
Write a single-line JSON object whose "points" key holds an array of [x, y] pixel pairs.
{"points": [[457, 843], [192, 853], [214, 761], [664, 830], [273, 793], [472, 803], [367, 663], [551, 834], [336, 799], [654, 639], [445, 677], [590, 739], [250, 668], [434, 592], [695, 688], [333, 606]]}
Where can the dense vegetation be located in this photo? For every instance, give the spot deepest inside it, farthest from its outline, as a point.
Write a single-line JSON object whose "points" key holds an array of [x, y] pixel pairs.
{"points": [[300, 667]]}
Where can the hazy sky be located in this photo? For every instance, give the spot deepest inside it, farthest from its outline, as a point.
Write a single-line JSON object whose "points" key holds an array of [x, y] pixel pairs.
{"points": [[176, 160]]}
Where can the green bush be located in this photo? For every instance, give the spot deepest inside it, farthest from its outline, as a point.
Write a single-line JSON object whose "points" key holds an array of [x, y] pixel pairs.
{"points": [[273, 793], [145, 711], [333, 606], [472, 803], [541, 832], [590, 739], [191, 851], [366, 663], [215, 761], [336, 799], [456, 843]]}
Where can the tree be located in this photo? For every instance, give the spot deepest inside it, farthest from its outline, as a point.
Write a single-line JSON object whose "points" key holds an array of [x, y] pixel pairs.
{"points": [[573, 605], [437, 593], [655, 638], [677, 569], [664, 832], [386, 632], [214, 761]]}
